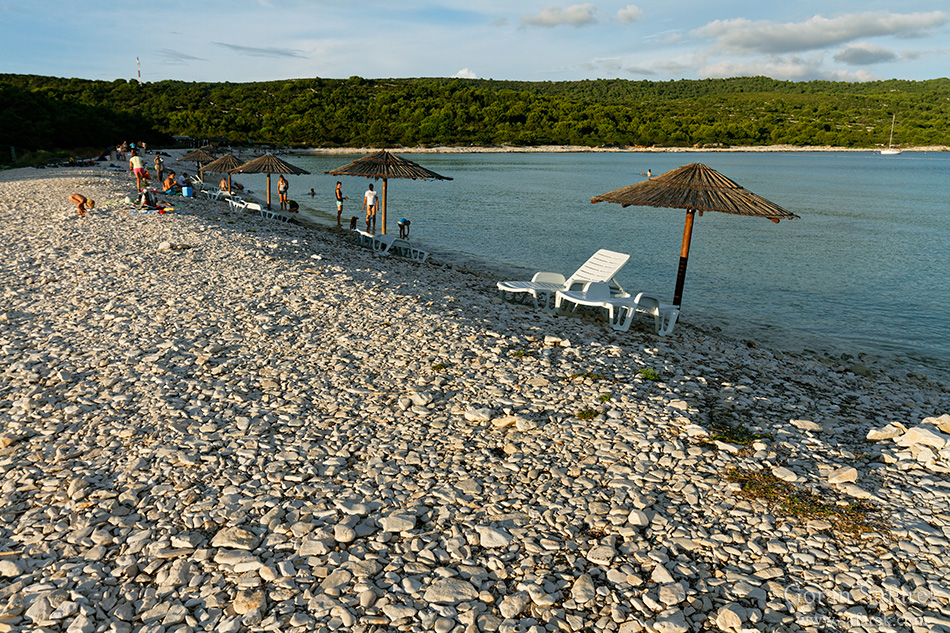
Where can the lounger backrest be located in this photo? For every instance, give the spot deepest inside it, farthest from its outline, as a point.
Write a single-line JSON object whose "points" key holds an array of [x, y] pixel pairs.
{"points": [[602, 266], [648, 304], [597, 291]]}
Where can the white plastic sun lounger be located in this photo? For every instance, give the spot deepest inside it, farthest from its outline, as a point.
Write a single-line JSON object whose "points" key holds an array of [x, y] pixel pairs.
{"points": [[620, 309], [276, 214], [386, 244], [664, 314], [602, 266], [363, 238]]}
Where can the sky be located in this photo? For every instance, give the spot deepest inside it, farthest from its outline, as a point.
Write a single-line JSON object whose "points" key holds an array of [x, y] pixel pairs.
{"points": [[262, 40]]}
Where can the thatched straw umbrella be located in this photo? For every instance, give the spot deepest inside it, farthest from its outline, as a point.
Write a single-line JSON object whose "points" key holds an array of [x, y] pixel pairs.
{"points": [[384, 165], [223, 165], [268, 164], [200, 156], [694, 187]]}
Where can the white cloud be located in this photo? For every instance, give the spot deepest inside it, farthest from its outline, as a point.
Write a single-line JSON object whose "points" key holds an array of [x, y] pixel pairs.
{"points": [[745, 36], [574, 15], [792, 68], [863, 53], [465, 73], [638, 67], [630, 13]]}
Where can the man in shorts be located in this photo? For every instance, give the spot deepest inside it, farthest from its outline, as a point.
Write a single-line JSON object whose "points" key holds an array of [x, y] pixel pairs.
{"points": [[170, 184], [339, 203], [369, 203]]}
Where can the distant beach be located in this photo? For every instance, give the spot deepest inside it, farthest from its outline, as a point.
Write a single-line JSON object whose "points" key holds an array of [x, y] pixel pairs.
{"points": [[581, 149]]}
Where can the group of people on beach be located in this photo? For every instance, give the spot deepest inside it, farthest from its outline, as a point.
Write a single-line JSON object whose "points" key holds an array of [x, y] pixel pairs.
{"points": [[176, 184], [136, 166], [121, 149], [173, 183], [370, 204]]}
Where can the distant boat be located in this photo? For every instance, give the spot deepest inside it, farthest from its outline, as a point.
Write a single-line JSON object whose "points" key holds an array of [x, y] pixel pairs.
{"points": [[891, 150]]}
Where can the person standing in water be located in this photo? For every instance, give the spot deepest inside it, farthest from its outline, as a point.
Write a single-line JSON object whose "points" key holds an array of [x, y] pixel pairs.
{"points": [[369, 203], [339, 203]]}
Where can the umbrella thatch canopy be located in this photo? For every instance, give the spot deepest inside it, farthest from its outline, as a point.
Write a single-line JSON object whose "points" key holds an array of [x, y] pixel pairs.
{"points": [[384, 165], [223, 165], [694, 187], [199, 156], [268, 164]]}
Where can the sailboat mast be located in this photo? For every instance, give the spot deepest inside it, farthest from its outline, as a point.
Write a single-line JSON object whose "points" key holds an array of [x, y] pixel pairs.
{"points": [[890, 141]]}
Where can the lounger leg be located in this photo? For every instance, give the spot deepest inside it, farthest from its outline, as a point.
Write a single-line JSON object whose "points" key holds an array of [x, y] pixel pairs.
{"points": [[559, 307], [621, 317], [513, 297], [542, 300], [668, 319]]}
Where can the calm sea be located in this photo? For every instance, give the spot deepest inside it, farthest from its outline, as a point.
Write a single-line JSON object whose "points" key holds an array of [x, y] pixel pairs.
{"points": [[865, 269]]}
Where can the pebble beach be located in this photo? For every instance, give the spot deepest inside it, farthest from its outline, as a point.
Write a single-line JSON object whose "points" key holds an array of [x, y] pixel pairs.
{"points": [[214, 422]]}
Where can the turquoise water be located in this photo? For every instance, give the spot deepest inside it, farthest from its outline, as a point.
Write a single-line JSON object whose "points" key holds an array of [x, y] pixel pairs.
{"points": [[865, 269]]}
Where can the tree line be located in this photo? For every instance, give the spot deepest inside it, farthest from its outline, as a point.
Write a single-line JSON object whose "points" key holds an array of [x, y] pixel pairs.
{"points": [[49, 113]]}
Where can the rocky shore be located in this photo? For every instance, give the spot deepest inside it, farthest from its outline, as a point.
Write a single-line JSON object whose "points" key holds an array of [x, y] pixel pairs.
{"points": [[214, 422]]}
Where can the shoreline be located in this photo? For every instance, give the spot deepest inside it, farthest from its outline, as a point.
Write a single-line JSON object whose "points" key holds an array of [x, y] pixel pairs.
{"points": [[217, 422], [935, 370], [787, 341], [904, 363]]}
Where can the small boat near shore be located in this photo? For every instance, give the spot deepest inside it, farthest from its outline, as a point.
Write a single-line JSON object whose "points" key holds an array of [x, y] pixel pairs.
{"points": [[891, 150]]}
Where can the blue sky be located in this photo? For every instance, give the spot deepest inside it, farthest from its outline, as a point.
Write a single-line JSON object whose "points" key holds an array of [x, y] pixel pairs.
{"points": [[257, 40]]}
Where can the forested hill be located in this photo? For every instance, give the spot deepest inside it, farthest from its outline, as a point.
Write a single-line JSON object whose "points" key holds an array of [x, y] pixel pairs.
{"points": [[48, 113]]}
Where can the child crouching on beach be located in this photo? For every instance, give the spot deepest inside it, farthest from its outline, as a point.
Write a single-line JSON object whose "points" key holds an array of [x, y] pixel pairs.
{"points": [[82, 203]]}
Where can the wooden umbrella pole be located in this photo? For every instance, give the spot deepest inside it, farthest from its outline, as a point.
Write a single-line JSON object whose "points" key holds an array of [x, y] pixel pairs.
{"points": [[684, 258], [383, 206], [268, 191]]}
